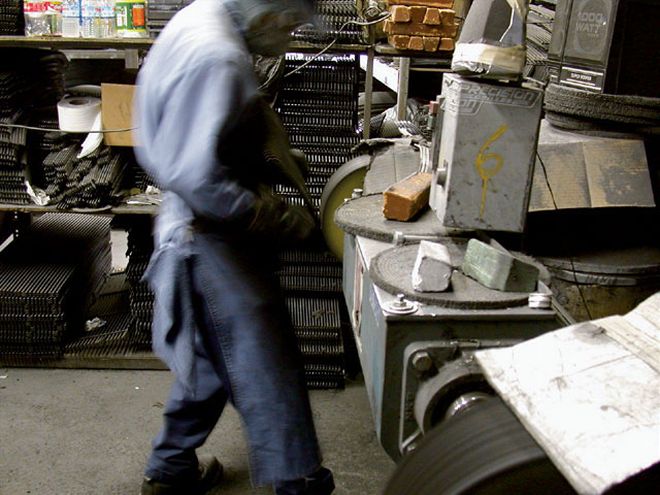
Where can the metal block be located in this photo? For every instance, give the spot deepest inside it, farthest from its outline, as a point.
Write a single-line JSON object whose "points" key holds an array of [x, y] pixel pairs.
{"points": [[484, 171]]}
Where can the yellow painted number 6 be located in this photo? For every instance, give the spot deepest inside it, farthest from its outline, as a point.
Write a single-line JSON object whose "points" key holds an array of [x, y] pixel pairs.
{"points": [[487, 173]]}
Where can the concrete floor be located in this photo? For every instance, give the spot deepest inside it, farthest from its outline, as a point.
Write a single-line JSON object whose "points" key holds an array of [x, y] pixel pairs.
{"points": [[82, 432]]}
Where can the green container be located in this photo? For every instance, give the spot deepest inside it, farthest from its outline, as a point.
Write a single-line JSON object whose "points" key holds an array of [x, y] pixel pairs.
{"points": [[131, 18]]}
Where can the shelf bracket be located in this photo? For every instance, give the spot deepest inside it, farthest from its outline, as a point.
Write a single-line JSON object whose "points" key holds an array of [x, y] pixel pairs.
{"points": [[131, 58]]}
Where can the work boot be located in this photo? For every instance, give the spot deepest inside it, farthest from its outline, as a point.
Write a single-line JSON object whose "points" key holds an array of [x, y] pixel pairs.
{"points": [[319, 483], [209, 474]]}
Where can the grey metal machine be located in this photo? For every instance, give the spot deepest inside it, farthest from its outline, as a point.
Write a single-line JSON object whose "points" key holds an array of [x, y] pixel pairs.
{"points": [[416, 348]]}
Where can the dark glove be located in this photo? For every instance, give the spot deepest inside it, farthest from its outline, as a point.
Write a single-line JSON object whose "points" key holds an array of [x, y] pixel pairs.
{"points": [[297, 223], [301, 161], [275, 219]]}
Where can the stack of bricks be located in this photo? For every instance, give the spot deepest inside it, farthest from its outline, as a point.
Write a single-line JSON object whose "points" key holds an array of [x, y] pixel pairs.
{"points": [[421, 25]]}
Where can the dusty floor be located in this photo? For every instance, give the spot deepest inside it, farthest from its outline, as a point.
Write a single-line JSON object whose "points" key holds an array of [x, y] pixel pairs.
{"points": [[82, 432]]}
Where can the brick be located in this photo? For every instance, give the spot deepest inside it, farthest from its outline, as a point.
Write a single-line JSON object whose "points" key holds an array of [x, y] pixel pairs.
{"points": [[431, 43], [447, 17], [411, 29], [417, 13], [416, 43], [498, 269], [403, 42], [443, 4], [400, 13], [446, 44], [432, 17], [405, 199], [399, 41]]}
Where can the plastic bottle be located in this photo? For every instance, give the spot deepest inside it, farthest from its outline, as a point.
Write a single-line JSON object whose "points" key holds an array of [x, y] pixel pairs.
{"points": [[88, 15], [107, 26], [98, 19], [131, 18], [71, 18]]}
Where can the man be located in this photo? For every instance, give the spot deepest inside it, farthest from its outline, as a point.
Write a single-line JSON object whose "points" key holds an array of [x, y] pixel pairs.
{"points": [[220, 321]]}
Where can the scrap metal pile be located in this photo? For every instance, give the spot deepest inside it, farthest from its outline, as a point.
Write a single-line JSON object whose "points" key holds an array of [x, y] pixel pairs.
{"points": [[334, 21], [93, 181], [318, 107], [31, 81], [141, 299], [49, 276], [11, 17]]}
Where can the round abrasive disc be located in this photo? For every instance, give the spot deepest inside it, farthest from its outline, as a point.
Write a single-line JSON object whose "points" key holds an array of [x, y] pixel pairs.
{"points": [[391, 270]]}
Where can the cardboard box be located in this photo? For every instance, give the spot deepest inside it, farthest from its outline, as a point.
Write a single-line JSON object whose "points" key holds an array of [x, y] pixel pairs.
{"points": [[117, 113]]}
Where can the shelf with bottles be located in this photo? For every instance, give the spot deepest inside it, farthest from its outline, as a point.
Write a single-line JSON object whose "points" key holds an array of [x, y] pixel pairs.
{"points": [[63, 43]]}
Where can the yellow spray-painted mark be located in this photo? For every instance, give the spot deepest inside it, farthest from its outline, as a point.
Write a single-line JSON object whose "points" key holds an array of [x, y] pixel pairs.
{"points": [[487, 173]]}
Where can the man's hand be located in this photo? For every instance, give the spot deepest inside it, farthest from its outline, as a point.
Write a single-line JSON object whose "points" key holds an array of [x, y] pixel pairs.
{"points": [[297, 223], [280, 221]]}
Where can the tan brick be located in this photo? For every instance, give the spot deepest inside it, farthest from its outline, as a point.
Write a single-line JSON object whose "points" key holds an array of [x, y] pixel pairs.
{"points": [[400, 13], [417, 13], [416, 43], [446, 44], [399, 41], [442, 4], [432, 17], [447, 16], [412, 29], [431, 43]]}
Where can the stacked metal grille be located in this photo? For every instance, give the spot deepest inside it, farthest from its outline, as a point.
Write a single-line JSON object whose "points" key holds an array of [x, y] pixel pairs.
{"points": [[49, 276], [311, 281], [30, 81], [333, 21], [539, 31], [90, 182], [318, 107], [159, 12], [141, 299], [11, 17]]}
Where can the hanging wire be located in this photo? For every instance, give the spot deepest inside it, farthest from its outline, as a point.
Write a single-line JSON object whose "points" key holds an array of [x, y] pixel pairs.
{"points": [[573, 270], [332, 43], [48, 129], [314, 57]]}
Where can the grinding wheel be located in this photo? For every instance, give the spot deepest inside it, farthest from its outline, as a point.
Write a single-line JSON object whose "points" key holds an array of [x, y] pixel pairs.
{"points": [[391, 270], [339, 187], [484, 450], [364, 217]]}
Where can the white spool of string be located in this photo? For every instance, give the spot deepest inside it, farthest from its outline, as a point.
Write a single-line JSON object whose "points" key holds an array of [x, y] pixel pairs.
{"points": [[78, 113]]}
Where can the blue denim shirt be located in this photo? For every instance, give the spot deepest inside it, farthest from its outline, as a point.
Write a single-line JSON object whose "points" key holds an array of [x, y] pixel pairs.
{"points": [[196, 79]]}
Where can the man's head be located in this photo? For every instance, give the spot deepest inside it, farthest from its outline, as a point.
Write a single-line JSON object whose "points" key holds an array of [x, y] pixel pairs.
{"points": [[268, 24]]}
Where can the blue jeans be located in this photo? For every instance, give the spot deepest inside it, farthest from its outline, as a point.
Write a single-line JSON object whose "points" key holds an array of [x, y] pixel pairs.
{"points": [[245, 353]]}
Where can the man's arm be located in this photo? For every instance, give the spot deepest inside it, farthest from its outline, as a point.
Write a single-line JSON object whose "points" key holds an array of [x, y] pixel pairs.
{"points": [[179, 136]]}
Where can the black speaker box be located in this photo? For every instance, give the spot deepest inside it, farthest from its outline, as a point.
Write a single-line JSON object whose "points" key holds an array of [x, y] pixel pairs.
{"points": [[607, 46]]}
